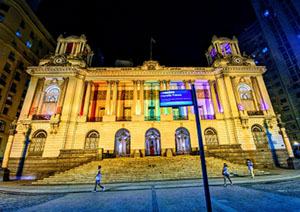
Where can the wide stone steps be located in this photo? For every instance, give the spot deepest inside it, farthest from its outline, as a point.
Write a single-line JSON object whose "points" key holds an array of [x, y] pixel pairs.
{"points": [[144, 169]]}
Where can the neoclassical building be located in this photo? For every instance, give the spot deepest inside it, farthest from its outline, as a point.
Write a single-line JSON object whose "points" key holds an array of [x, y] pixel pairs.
{"points": [[104, 112]]}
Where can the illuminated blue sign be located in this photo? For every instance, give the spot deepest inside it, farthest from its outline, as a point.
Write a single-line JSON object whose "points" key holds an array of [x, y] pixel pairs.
{"points": [[175, 98]]}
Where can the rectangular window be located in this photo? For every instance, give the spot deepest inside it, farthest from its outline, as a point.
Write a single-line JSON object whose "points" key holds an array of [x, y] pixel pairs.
{"points": [[7, 67], [18, 33], [22, 24], [32, 35], [4, 7], [11, 56], [9, 100], [13, 87], [17, 76], [283, 100], [286, 108], [24, 94], [21, 66], [3, 80], [1, 17], [280, 92], [20, 105], [5, 111], [28, 44]]}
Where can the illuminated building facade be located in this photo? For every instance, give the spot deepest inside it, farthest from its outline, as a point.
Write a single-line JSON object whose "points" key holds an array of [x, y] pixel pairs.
{"points": [[23, 41], [104, 112]]}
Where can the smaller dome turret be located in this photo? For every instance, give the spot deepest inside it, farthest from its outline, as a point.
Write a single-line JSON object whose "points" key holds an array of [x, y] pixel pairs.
{"points": [[224, 52]]}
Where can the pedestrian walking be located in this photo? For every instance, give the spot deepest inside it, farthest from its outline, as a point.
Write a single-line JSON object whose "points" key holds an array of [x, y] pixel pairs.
{"points": [[226, 174], [250, 167], [98, 178]]}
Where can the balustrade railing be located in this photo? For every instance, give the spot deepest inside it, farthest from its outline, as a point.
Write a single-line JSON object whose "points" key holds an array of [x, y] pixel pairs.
{"points": [[95, 119], [152, 118], [41, 117], [185, 117], [123, 118], [255, 113], [208, 117]]}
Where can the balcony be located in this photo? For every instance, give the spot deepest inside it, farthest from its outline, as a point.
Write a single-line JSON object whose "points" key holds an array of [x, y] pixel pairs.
{"points": [[255, 113], [181, 117], [152, 118], [41, 117], [95, 119], [123, 118]]}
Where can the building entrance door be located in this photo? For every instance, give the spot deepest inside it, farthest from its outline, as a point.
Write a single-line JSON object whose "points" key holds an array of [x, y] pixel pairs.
{"points": [[152, 142]]}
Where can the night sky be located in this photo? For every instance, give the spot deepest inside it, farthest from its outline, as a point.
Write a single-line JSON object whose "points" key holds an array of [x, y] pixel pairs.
{"points": [[122, 29]]}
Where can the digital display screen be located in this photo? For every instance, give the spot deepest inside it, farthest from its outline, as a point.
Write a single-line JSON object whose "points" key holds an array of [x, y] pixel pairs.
{"points": [[175, 98]]}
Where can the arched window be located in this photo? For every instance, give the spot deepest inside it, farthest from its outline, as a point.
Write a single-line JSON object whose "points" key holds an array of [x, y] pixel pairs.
{"points": [[259, 136], [182, 141], [52, 94], [122, 143], [246, 97], [211, 136], [91, 140], [2, 126], [152, 140], [37, 143]]}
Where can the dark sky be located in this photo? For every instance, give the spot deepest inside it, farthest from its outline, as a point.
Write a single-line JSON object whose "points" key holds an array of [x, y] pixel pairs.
{"points": [[122, 29]]}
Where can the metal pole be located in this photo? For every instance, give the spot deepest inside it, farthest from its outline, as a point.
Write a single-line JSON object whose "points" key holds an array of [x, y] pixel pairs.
{"points": [[151, 48], [202, 156]]}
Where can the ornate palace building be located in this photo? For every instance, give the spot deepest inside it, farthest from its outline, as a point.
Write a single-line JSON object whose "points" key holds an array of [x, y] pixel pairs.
{"points": [[85, 113]]}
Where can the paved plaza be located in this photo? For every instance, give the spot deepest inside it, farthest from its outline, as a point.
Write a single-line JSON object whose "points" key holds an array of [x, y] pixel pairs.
{"points": [[279, 191]]}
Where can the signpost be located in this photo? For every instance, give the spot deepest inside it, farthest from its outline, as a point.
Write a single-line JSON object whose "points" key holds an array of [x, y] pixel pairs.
{"points": [[178, 98]]}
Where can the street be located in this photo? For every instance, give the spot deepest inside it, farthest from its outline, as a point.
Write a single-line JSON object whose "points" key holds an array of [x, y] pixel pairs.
{"points": [[278, 196]]}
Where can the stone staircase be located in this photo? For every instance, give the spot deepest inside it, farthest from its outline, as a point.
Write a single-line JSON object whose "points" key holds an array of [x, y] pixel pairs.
{"points": [[145, 169]]}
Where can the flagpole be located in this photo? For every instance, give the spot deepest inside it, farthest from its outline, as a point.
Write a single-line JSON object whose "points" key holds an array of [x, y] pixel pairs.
{"points": [[151, 48]]}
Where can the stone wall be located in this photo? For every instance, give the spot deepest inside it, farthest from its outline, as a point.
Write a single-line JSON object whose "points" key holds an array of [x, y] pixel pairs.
{"points": [[262, 157], [38, 167]]}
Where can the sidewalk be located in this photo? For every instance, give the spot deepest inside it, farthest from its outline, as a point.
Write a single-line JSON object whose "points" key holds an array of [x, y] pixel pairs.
{"points": [[25, 187]]}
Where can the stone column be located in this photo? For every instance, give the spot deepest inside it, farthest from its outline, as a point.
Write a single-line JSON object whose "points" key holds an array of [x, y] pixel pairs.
{"points": [[87, 98], [133, 110], [107, 99], [62, 47], [287, 142], [161, 83], [57, 47], [65, 47], [187, 87], [62, 94], [29, 97], [265, 96], [73, 46], [256, 92], [37, 96], [235, 92], [230, 93], [7, 151], [214, 98], [142, 97], [82, 47], [114, 103]]}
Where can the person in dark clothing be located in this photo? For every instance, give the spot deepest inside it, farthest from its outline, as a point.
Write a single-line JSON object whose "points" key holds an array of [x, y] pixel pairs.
{"points": [[226, 174]]}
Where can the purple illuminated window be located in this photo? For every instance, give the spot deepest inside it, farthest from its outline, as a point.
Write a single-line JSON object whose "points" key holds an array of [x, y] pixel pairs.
{"points": [[227, 48], [213, 53]]}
